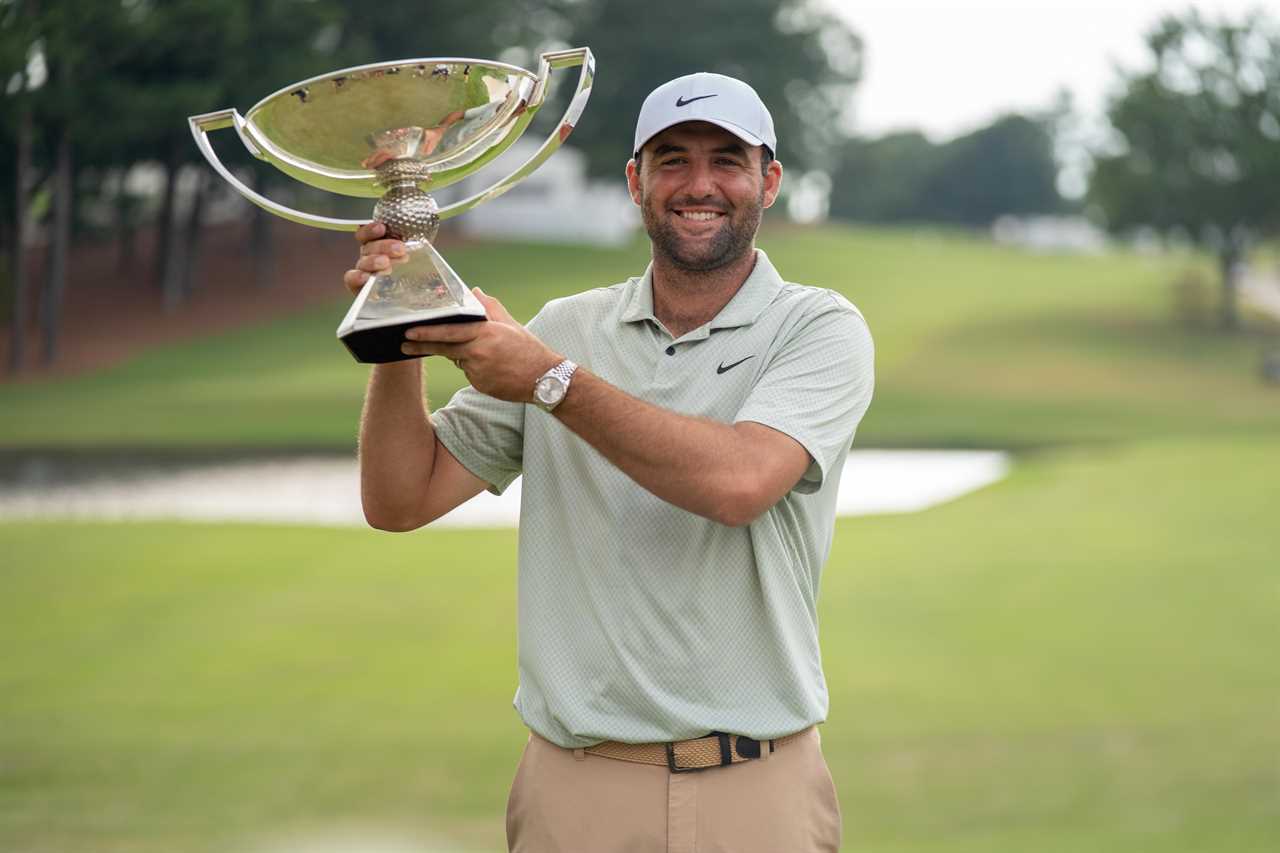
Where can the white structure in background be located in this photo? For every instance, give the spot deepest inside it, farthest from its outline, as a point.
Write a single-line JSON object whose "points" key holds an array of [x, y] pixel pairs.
{"points": [[1260, 288], [1050, 233], [556, 204]]}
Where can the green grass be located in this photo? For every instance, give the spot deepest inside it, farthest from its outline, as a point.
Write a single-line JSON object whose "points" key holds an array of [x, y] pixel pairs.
{"points": [[1091, 671], [1071, 660], [1079, 659], [977, 345], [984, 345], [287, 383]]}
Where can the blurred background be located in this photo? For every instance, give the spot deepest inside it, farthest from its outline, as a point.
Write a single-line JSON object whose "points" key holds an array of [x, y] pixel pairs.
{"points": [[1060, 220]]}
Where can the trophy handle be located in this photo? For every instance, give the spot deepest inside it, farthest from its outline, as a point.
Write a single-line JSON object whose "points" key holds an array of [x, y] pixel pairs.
{"points": [[548, 62], [202, 124]]}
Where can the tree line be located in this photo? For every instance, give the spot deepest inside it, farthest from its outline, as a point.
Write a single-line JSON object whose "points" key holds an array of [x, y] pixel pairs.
{"points": [[92, 89], [1007, 167]]}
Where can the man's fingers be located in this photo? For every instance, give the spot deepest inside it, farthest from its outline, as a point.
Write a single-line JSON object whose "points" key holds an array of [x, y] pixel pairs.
{"points": [[391, 248], [377, 263], [370, 231], [445, 332], [354, 280], [492, 307], [447, 350]]}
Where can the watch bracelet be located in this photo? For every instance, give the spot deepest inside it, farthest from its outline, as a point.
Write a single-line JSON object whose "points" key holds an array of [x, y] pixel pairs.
{"points": [[563, 370]]}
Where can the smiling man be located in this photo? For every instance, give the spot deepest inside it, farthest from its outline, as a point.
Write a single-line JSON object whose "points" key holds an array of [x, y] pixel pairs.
{"points": [[681, 437]]}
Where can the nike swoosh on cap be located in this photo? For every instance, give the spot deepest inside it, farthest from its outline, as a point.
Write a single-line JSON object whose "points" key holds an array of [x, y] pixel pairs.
{"points": [[682, 102]]}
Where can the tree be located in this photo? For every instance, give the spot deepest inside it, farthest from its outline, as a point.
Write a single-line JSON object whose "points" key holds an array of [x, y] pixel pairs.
{"points": [[117, 80], [267, 44], [802, 60], [186, 57], [881, 179], [471, 28], [74, 43], [18, 34], [1004, 168], [73, 47], [1196, 151], [1007, 167]]}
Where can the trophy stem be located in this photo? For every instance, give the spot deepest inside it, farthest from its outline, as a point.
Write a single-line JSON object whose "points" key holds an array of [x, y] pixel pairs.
{"points": [[408, 212], [420, 288]]}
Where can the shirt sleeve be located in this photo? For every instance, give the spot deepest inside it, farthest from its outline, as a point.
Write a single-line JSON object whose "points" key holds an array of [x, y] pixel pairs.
{"points": [[484, 433], [817, 386]]}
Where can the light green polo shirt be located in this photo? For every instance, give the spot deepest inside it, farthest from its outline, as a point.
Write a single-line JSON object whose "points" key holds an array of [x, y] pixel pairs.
{"points": [[640, 621]]}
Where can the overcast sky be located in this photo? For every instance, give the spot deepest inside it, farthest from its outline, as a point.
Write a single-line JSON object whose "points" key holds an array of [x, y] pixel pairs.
{"points": [[950, 67]]}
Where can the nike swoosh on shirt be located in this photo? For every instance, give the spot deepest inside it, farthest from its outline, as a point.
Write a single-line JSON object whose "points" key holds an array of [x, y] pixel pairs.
{"points": [[681, 102], [725, 368]]}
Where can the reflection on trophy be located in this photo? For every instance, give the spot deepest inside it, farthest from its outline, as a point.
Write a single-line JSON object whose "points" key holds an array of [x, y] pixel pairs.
{"points": [[392, 131]]}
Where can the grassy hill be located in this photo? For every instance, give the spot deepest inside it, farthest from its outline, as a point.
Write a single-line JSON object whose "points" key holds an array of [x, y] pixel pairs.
{"points": [[1079, 658], [977, 345]]}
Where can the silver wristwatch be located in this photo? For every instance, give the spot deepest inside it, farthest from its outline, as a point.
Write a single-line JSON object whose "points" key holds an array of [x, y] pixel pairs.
{"points": [[551, 387]]}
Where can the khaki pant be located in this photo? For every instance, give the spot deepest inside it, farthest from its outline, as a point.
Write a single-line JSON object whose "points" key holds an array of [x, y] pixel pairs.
{"points": [[560, 803]]}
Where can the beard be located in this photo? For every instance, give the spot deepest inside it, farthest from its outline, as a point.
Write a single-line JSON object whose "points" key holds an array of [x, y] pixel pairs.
{"points": [[731, 242]]}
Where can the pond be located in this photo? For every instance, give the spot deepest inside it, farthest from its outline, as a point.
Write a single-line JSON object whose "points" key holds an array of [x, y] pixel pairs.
{"points": [[324, 489]]}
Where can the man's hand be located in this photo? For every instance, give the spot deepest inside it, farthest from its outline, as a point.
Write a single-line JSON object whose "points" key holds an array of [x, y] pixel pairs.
{"points": [[500, 357], [376, 256]]}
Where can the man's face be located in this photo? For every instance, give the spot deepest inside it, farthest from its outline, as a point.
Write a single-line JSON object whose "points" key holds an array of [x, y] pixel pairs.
{"points": [[701, 192]]}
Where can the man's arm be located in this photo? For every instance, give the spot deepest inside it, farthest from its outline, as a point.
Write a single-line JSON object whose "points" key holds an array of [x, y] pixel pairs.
{"points": [[728, 473], [407, 477]]}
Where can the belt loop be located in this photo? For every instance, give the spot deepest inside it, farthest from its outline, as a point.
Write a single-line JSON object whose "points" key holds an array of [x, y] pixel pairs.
{"points": [[766, 747], [580, 754]]}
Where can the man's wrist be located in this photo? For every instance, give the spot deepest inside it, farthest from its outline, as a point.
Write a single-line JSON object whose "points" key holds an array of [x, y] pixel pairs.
{"points": [[397, 371], [553, 385], [546, 364]]}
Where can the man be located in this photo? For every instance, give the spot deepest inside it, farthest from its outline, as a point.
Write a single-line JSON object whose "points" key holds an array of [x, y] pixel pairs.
{"points": [[681, 437]]}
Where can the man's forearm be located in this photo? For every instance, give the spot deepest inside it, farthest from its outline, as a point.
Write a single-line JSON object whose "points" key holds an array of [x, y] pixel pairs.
{"points": [[397, 444], [728, 473], [710, 468]]}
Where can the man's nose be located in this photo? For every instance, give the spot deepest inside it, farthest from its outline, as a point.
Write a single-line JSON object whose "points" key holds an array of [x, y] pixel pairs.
{"points": [[701, 183]]}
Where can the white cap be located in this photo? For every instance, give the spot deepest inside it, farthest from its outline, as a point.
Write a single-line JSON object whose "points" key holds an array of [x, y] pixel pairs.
{"points": [[714, 98]]}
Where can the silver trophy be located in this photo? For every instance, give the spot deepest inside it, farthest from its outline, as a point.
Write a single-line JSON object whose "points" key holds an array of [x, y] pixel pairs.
{"points": [[392, 131]]}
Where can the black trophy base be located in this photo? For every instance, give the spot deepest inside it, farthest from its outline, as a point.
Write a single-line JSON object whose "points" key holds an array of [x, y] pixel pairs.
{"points": [[381, 345]]}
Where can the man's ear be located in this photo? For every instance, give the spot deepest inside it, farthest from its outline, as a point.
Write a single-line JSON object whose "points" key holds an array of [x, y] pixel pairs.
{"points": [[633, 180], [772, 182]]}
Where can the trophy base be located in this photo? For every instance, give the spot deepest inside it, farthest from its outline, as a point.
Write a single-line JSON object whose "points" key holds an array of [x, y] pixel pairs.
{"points": [[381, 345], [422, 290]]}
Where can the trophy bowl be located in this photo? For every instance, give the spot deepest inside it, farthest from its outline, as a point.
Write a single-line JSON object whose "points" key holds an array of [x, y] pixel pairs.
{"points": [[395, 131]]}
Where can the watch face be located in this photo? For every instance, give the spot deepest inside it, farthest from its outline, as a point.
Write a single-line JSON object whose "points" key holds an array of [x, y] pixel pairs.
{"points": [[549, 390]]}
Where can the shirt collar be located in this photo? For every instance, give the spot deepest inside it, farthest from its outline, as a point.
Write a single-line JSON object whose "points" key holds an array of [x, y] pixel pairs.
{"points": [[640, 301], [755, 294]]}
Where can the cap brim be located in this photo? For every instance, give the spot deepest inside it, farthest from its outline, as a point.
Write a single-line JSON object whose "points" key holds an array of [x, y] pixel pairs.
{"points": [[745, 135]]}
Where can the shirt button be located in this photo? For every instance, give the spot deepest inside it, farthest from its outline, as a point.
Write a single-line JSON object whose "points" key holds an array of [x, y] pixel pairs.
{"points": [[671, 350]]}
